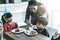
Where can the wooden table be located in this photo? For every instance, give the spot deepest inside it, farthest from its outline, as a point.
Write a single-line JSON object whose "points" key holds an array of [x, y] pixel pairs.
{"points": [[22, 36], [1, 31]]}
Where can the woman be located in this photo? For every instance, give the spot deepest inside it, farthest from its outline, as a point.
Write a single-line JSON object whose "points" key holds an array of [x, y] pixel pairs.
{"points": [[37, 13], [9, 25], [38, 17]]}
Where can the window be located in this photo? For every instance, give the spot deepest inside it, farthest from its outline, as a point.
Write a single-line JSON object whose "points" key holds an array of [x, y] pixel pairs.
{"points": [[11, 1], [24, 0], [2, 1], [6, 1]]}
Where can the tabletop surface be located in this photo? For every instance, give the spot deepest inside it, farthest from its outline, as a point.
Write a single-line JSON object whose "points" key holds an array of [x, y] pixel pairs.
{"points": [[1, 31], [22, 36]]}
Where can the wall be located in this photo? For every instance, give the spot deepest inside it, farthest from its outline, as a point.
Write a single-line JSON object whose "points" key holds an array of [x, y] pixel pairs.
{"points": [[17, 10], [16, 1]]}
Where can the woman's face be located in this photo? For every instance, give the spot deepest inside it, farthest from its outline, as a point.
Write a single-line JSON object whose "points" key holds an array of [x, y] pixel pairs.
{"points": [[9, 19], [33, 8]]}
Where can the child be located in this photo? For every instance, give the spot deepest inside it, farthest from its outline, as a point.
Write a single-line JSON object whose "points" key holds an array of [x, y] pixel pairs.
{"points": [[41, 29], [9, 25]]}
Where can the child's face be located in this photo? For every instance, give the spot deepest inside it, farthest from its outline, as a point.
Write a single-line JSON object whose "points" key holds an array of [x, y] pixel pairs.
{"points": [[40, 26], [33, 8], [9, 19]]}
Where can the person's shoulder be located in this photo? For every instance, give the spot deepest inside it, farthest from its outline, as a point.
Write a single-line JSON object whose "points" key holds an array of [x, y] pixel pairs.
{"points": [[13, 22], [41, 5], [5, 24], [45, 30]]}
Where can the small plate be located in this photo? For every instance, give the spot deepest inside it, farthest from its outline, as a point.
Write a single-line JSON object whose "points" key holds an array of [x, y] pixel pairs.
{"points": [[29, 32], [20, 30]]}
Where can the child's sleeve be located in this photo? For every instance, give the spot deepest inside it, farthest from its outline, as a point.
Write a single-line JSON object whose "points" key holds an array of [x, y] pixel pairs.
{"points": [[5, 28]]}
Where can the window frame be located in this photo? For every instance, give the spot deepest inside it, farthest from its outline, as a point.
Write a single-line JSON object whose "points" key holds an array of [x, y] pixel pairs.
{"points": [[7, 2]]}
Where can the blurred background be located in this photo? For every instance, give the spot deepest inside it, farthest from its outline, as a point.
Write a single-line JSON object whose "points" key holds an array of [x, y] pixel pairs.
{"points": [[18, 9]]}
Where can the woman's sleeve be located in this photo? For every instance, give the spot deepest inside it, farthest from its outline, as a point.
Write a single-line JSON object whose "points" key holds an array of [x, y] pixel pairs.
{"points": [[27, 16]]}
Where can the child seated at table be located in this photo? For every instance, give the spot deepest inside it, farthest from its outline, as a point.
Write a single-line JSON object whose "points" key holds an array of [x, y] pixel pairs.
{"points": [[41, 29], [56, 36], [9, 25]]}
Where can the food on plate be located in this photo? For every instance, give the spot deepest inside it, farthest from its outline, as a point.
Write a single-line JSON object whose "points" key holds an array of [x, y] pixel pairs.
{"points": [[26, 31], [17, 30], [25, 26], [32, 32]]}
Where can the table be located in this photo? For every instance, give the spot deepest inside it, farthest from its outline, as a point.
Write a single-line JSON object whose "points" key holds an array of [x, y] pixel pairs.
{"points": [[1, 31], [22, 36], [1, 34]]}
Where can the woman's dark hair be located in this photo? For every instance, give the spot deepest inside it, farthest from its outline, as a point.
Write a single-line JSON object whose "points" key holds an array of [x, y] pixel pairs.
{"points": [[32, 2]]}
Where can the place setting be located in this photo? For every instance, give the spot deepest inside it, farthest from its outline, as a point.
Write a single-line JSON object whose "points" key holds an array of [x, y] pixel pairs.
{"points": [[18, 30], [27, 30], [31, 32]]}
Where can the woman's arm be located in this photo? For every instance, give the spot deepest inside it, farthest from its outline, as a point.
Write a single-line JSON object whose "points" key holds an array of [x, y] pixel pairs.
{"points": [[27, 16]]}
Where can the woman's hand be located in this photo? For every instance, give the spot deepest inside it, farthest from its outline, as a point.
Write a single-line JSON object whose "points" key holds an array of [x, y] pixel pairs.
{"points": [[28, 23]]}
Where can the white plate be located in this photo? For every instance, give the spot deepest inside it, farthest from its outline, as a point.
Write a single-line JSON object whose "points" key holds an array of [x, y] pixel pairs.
{"points": [[27, 32], [20, 30]]}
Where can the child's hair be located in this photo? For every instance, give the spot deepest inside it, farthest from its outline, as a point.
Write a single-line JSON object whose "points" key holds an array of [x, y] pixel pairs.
{"points": [[5, 16], [32, 2], [8, 15], [42, 21]]}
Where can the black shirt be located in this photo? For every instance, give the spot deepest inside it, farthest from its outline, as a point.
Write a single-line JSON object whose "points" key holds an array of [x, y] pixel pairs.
{"points": [[44, 32]]}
